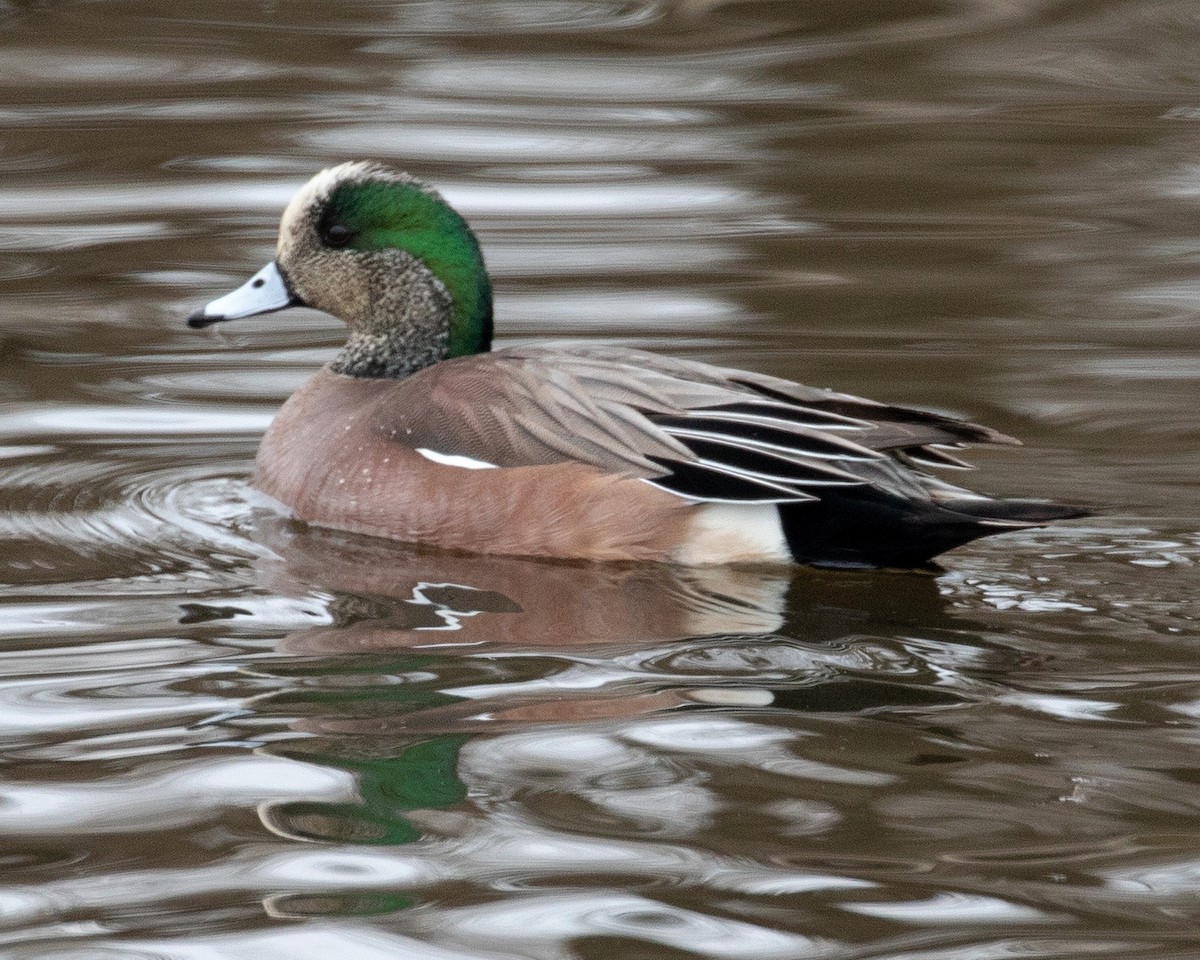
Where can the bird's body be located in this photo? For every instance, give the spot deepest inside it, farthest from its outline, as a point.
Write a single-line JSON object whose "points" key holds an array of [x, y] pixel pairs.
{"points": [[419, 432]]}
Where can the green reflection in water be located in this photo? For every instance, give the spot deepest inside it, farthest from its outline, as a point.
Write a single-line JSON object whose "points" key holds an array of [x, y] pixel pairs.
{"points": [[423, 775]]}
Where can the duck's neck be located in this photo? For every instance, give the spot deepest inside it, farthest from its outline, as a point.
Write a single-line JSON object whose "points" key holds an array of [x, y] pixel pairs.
{"points": [[391, 354], [416, 320]]}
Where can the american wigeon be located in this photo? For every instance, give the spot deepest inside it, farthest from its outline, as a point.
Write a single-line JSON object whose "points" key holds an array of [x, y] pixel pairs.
{"points": [[418, 431]]}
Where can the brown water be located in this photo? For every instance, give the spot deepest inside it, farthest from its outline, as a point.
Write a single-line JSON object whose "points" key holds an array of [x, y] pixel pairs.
{"points": [[228, 738]]}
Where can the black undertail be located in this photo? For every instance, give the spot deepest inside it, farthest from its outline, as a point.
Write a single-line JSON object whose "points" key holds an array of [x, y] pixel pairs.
{"points": [[867, 527]]}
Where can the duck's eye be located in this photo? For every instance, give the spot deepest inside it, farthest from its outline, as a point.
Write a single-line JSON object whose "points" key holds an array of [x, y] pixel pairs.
{"points": [[336, 234]]}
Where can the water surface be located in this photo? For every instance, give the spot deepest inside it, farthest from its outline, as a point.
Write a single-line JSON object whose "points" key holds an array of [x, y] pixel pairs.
{"points": [[228, 737]]}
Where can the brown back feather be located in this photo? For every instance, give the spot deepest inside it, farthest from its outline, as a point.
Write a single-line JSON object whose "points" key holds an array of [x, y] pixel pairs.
{"points": [[615, 409]]}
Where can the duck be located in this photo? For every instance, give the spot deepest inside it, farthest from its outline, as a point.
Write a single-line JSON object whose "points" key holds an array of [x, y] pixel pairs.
{"points": [[419, 431]]}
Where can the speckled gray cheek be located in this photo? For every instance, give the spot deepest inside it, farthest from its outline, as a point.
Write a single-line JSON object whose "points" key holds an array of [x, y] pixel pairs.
{"points": [[406, 326], [329, 281]]}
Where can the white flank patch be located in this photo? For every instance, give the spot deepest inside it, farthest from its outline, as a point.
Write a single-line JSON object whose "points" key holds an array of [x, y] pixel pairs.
{"points": [[733, 533], [454, 460]]}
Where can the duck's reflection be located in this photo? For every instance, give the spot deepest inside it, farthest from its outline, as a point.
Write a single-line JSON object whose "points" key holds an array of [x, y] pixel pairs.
{"points": [[426, 650], [390, 597]]}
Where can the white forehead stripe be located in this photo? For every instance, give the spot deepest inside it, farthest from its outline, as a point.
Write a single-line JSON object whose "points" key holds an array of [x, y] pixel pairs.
{"points": [[320, 188], [292, 222], [454, 460]]}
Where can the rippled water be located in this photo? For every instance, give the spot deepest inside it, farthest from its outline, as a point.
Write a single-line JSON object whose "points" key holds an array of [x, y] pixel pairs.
{"points": [[225, 737]]}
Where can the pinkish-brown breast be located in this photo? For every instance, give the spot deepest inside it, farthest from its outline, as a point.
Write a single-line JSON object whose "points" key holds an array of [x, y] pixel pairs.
{"points": [[327, 459]]}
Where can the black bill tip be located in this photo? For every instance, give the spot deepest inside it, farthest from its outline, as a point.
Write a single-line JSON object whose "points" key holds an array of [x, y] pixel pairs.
{"points": [[199, 320]]}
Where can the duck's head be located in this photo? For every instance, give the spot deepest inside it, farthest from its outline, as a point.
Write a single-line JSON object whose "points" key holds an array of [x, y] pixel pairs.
{"points": [[387, 255]]}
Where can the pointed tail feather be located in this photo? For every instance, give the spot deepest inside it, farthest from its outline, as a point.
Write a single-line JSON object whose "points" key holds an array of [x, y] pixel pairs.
{"points": [[1015, 511], [867, 527]]}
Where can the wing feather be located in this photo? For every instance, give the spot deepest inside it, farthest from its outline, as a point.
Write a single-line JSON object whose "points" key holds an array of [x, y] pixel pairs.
{"points": [[803, 442], [700, 431], [713, 482]]}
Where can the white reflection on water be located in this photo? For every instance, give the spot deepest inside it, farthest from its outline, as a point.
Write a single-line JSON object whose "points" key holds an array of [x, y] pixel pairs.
{"points": [[1066, 708], [516, 200], [637, 200], [672, 811], [97, 420], [714, 737], [535, 925], [422, 143], [571, 255], [312, 941], [55, 65], [64, 201], [171, 796], [980, 227], [512, 16], [954, 908], [1178, 879], [35, 708], [498, 853], [605, 80], [75, 236], [591, 310]]}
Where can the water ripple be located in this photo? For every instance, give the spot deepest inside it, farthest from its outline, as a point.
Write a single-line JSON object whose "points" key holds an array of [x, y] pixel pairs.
{"points": [[226, 736], [88, 516]]}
